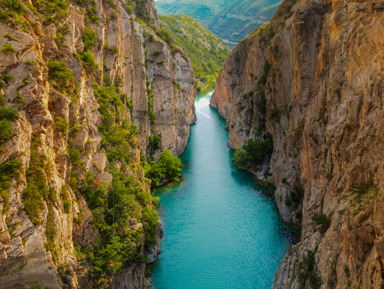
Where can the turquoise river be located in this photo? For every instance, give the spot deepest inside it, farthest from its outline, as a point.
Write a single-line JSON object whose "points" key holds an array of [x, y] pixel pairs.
{"points": [[221, 230]]}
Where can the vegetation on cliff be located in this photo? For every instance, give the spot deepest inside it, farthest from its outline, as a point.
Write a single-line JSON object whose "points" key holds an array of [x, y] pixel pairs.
{"points": [[253, 153], [206, 50], [79, 165]]}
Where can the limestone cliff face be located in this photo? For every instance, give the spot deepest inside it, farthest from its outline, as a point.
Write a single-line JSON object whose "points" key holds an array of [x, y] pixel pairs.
{"points": [[57, 84], [312, 78]]}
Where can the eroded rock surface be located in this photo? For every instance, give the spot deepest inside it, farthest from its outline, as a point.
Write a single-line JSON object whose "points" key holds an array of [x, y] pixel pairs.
{"points": [[312, 78], [58, 131]]}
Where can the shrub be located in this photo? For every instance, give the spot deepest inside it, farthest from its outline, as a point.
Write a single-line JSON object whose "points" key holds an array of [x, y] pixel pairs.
{"points": [[156, 52], [60, 76], [8, 114], [307, 270], [61, 125], [89, 38], [67, 206], [253, 153], [89, 60], [6, 132], [154, 143], [323, 221], [167, 169], [8, 170]]}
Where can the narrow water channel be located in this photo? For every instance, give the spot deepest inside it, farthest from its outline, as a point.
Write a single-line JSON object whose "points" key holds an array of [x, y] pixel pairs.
{"points": [[221, 230]]}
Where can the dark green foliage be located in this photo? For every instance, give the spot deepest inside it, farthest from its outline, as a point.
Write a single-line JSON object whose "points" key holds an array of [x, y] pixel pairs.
{"points": [[307, 271], [14, 5], [154, 143], [11, 38], [8, 114], [8, 49], [157, 52], [35, 286], [167, 169], [89, 61], [207, 60], [8, 170], [267, 69], [61, 125], [323, 222], [362, 188], [141, 10], [253, 153], [166, 36], [296, 196], [67, 206], [53, 11], [36, 184], [89, 38], [60, 76], [6, 132], [91, 10]]}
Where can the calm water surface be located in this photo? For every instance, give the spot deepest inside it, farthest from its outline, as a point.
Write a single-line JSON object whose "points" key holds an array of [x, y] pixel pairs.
{"points": [[221, 230]]}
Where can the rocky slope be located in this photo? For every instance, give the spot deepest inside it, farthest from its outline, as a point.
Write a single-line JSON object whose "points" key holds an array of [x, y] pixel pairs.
{"points": [[312, 80], [89, 90], [206, 50]]}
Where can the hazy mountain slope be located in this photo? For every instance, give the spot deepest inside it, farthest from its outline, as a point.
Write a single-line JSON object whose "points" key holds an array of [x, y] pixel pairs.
{"points": [[242, 17], [206, 50], [232, 20], [198, 9]]}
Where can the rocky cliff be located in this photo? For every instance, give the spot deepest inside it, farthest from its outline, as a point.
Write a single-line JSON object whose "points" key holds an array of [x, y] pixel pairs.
{"points": [[312, 80], [89, 90]]}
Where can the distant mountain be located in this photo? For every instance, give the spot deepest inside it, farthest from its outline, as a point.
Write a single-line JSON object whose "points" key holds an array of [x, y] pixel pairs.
{"points": [[206, 50], [232, 20], [241, 17], [202, 10]]}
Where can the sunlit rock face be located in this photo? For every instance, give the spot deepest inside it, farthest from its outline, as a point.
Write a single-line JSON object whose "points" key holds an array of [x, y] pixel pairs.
{"points": [[57, 138], [312, 80]]}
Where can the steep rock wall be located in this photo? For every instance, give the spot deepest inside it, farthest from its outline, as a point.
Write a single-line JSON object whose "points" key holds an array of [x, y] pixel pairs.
{"points": [[59, 135], [312, 79]]}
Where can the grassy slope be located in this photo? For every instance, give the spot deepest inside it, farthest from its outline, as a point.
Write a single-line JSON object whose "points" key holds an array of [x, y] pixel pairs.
{"points": [[206, 50]]}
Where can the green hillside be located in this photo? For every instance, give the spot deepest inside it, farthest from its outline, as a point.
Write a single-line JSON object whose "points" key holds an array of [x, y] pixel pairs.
{"points": [[201, 10], [206, 50], [232, 20]]}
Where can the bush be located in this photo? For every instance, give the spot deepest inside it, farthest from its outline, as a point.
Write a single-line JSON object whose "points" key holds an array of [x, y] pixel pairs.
{"points": [[61, 125], [323, 221], [60, 76], [8, 114], [89, 60], [89, 39], [8, 49], [6, 132], [8, 170], [253, 153], [156, 52], [67, 206], [307, 270], [167, 169]]}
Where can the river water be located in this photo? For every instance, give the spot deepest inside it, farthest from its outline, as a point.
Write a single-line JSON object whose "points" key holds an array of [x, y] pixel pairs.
{"points": [[221, 230]]}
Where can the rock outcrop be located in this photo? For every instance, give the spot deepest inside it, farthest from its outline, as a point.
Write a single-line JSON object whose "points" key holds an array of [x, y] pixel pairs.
{"points": [[312, 80], [89, 88]]}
